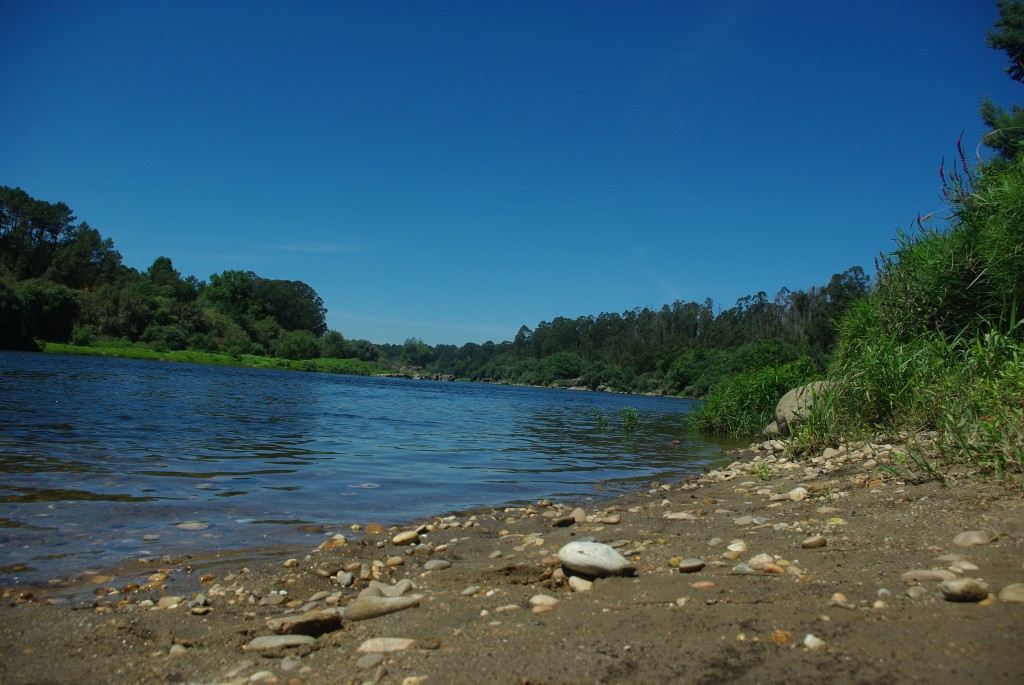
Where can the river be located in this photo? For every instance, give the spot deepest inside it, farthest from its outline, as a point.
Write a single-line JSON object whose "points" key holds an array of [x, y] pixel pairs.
{"points": [[103, 461]]}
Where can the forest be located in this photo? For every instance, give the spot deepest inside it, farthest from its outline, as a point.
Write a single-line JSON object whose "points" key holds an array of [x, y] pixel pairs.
{"points": [[62, 281]]}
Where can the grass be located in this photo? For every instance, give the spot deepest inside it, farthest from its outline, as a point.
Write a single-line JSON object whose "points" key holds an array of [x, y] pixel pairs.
{"points": [[938, 346], [353, 367], [630, 419]]}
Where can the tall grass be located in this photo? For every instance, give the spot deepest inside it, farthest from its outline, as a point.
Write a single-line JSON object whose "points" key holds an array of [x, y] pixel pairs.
{"points": [[937, 346]]}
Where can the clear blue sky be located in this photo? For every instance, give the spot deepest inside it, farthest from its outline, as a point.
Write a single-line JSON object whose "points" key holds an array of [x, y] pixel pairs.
{"points": [[454, 170]]}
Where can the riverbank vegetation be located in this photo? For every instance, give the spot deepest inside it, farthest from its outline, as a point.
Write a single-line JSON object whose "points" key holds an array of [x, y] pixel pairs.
{"points": [[935, 352]]}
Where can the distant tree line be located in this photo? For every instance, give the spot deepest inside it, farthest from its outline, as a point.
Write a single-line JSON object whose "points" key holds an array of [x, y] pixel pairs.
{"points": [[684, 348], [61, 281]]}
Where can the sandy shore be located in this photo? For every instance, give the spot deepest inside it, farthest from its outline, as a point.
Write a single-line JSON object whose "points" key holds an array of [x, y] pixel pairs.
{"points": [[485, 599]]}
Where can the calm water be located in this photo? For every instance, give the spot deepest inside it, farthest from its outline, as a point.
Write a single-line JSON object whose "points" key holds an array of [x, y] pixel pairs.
{"points": [[101, 459]]}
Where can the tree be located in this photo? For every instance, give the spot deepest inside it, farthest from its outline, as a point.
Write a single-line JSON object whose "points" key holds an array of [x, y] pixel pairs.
{"points": [[298, 345], [332, 345], [1007, 134], [415, 352]]}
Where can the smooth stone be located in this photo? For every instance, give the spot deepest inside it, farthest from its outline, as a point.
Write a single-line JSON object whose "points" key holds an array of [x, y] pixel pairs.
{"points": [[267, 643], [928, 575], [470, 591], [743, 520], [1012, 593], [375, 529], [392, 562], [579, 515], [370, 661], [743, 569], [193, 525], [972, 537], [594, 559], [812, 642], [375, 588], [964, 590], [363, 608], [169, 602], [814, 542], [580, 584], [437, 565], [680, 516], [407, 538], [916, 592], [737, 546], [313, 623], [691, 565], [772, 567], [798, 494], [345, 579], [542, 600], [384, 645]]}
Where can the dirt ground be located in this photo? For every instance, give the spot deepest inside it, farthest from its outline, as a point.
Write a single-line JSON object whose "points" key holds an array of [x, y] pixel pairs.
{"points": [[839, 613]]}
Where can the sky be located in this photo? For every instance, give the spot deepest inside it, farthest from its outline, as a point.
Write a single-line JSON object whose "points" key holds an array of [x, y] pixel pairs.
{"points": [[454, 170]]}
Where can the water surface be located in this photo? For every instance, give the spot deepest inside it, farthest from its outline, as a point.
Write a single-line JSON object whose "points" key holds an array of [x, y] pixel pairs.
{"points": [[102, 460]]}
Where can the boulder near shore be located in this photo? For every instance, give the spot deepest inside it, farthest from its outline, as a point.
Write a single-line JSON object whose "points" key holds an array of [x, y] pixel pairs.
{"points": [[764, 570]]}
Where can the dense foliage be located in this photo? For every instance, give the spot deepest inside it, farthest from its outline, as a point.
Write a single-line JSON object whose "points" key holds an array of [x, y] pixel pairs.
{"points": [[63, 282], [684, 348], [939, 343]]}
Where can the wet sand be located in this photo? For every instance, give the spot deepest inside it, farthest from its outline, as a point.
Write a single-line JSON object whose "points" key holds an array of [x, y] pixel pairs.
{"points": [[841, 611]]}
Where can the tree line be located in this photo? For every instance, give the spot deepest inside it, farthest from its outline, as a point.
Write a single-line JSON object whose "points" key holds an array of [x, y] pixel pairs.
{"points": [[62, 281]]}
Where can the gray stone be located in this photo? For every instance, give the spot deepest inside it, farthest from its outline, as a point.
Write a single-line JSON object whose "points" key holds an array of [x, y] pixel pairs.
{"points": [[437, 565], [273, 643], [691, 565], [796, 404]]}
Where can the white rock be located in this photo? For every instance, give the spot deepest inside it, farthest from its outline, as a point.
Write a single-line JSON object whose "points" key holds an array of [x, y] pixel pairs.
{"points": [[757, 563], [594, 559], [812, 643], [383, 645]]}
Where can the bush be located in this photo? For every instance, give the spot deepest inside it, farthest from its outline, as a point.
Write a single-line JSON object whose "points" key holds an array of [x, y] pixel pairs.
{"points": [[745, 404], [298, 345]]}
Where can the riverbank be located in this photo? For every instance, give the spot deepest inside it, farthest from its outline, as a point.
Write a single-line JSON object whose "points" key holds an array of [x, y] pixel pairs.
{"points": [[841, 597]]}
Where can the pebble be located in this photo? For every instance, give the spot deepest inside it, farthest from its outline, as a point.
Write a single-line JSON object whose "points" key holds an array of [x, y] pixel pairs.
{"points": [[392, 562], [363, 608], [193, 525], [580, 584], [814, 542], [385, 645], [971, 538], [370, 660], [927, 576], [691, 565], [268, 643], [408, 537], [757, 563], [1012, 593], [964, 590], [437, 565], [813, 643], [594, 559]]}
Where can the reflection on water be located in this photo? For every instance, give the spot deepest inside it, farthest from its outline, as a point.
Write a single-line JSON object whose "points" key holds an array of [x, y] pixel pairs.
{"points": [[101, 458]]}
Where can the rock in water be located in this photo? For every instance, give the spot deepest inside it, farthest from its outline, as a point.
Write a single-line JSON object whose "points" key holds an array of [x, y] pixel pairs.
{"points": [[594, 559]]}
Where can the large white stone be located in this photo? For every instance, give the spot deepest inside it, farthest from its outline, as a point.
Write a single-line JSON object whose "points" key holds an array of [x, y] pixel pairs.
{"points": [[594, 559]]}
